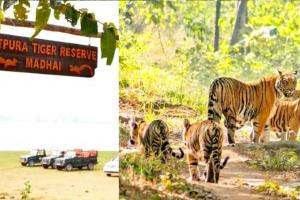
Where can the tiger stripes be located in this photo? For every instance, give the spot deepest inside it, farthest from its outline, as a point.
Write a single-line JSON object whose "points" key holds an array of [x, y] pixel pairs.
{"points": [[153, 138], [286, 121], [255, 101], [204, 141]]}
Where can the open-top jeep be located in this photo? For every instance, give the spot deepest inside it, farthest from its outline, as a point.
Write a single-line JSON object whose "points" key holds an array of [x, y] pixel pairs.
{"points": [[77, 159], [49, 160], [34, 157]]}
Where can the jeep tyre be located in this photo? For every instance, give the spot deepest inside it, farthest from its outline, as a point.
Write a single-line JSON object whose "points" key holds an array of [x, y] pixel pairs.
{"points": [[30, 163], [69, 167], [90, 166], [59, 168], [45, 166], [23, 164]]}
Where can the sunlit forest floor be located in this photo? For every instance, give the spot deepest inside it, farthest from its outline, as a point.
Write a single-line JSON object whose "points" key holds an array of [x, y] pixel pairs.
{"points": [[269, 171]]}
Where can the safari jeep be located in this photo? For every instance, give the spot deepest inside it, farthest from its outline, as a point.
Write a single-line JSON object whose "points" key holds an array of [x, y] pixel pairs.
{"points": [[77, 159], [34, 157], [49, 160]]}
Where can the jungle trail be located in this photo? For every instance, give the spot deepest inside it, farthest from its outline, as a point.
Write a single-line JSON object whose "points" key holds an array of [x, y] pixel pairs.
{"points": [[19, 46]]}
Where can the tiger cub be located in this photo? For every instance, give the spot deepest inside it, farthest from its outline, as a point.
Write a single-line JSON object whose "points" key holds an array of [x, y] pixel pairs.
{"points": [[286, 121], [254, 101], [153, 138], [204, 140]]}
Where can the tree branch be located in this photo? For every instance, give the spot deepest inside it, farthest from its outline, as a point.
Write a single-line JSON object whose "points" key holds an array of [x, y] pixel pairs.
{"points": [[49, 27]]}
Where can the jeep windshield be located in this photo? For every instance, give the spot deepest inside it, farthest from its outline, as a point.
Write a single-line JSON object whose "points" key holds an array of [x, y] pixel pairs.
{"points": [[56, 153], [70, 154], [33, 152]]}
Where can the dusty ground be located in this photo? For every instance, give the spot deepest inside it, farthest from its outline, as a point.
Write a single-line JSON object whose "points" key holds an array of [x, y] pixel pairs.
{"points": [[56, 185]]}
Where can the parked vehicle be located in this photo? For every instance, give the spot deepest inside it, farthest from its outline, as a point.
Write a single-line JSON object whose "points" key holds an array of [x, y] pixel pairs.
{"points": [[34, 157], [77, 159], [111, 167], [49, 160]]}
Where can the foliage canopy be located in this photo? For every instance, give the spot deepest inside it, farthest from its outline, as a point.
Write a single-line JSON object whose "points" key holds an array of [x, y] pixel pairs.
{"points": [[167, 48], [88, 22]]}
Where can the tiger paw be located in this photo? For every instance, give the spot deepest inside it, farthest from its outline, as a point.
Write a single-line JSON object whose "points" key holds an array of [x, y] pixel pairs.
{"points": [[231, 144]]}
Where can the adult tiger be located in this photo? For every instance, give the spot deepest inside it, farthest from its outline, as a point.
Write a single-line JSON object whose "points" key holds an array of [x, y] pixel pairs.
{"points": [[204, 140], [286, 121], [153, 138], [255, 101]]}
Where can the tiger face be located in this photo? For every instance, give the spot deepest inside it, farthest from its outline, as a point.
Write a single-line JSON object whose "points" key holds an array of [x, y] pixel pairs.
{"points": [[286, 83], [186, 126]]}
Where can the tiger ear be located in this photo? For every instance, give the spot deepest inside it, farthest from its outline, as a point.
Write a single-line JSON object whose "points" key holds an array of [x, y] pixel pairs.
{"points": [[279, 72], [133, 123], [295, 72], [186, 123]]}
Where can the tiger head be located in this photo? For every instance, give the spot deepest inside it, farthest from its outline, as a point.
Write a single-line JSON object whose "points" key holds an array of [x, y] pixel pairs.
{"points": [[136, 130], [186, 126], [286, 83]]}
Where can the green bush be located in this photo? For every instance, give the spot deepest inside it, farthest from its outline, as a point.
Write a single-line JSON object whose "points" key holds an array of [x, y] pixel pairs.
{"points": [[274, 189], [280, 160], [149, 168], [25, 192]]}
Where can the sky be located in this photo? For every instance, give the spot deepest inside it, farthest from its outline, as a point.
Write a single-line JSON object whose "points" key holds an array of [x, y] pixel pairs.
{"points": [[61, 112]]}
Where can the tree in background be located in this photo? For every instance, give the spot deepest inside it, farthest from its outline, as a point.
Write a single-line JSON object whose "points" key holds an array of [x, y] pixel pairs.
{"points": [[240, 21], [217, 29], [188, 32]]}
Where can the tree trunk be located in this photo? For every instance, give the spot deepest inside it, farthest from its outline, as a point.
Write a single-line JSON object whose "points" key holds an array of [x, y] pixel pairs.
{"points": [[241, 20], [217, 29]]}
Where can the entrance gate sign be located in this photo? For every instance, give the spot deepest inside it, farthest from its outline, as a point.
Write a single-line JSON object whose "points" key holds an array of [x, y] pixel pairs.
{"points": [[20, 54]]}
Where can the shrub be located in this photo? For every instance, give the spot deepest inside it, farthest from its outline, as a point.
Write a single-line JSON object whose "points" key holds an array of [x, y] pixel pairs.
{"points": [[149, 168], [280, 160], [25, 192], [274, 189]]}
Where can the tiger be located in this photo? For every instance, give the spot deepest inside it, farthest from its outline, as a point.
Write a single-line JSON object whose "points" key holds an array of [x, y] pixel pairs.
{"points": [[204, 140], [153, 138], [296, 95], [255, 101], [286, 121]]}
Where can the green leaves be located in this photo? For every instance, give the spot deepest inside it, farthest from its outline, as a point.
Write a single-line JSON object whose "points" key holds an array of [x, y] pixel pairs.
{"points": [[88, 22], [71, 14], [2, 18], [20, 11], [42, 16], [108, 42], [55, 3], [8, 3], [89, 25]]}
